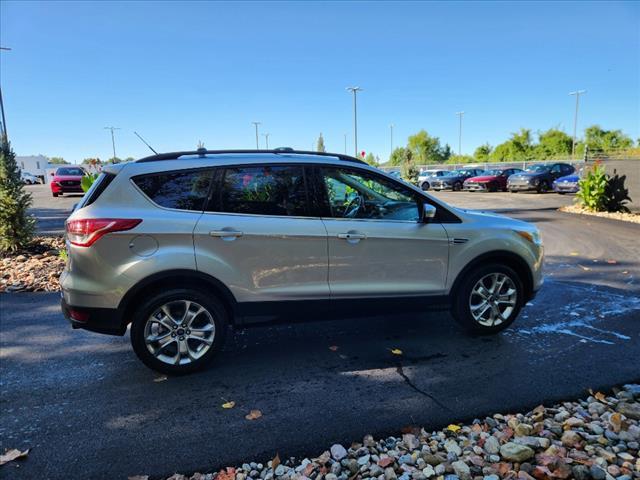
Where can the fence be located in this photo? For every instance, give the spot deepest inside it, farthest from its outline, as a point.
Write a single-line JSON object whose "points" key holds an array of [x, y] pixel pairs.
{"points": [[577, 164]]}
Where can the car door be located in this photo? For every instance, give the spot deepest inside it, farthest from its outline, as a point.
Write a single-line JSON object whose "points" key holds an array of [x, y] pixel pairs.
{"points": [[258, 238], [556, 171], [377, 245]]}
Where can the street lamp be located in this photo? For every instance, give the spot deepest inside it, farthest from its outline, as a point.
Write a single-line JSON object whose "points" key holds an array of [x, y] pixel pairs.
{"points": [[266, 139], [355, 91], [460, 115], [113, 140], [256, 125], [3, 125], [577, 93]]}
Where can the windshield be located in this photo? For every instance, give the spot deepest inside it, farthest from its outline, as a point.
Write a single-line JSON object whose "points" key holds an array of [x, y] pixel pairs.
{"points": [[494, 172], [537, 168], [453, 173], [70, 171]]}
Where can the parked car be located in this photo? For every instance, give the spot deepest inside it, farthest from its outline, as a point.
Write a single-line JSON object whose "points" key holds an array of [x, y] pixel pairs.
{"points": [[538, 177], [29, 179], [179, 246], [491, 180], [454, 180], [567, 184], [426, 176], [67, 180]]}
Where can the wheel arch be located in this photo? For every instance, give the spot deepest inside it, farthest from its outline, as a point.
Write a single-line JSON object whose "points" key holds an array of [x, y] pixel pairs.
{"points": [[503, 257], [171, 279]]}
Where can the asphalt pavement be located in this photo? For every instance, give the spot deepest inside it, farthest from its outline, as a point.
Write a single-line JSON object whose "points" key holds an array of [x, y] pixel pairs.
{"points": [[88, 408]]}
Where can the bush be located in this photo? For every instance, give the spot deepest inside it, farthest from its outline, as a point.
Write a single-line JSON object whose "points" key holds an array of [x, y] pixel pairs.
{"points": [[599, 192], [88, 180], [409, 172], [16, 227]]}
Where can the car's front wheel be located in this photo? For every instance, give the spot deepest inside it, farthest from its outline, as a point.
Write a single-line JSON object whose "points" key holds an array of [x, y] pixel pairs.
{"points": [[424, 186], [489, 299], [178, 331]]}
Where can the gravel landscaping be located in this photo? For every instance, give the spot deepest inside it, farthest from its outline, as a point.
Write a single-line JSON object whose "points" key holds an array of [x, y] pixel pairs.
{"points": [[627, 217], [596, 438], [36, 269]]}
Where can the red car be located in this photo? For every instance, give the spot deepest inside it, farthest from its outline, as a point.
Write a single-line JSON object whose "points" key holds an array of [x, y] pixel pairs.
{"points": [[67, 180], [492, 181]]}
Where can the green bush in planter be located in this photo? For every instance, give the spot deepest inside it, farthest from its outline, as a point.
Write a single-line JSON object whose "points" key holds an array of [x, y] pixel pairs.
{"points": [[599, 192]]}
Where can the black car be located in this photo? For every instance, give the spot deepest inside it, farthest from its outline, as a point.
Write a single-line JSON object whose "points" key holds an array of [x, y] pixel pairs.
{"points": [[538, 177], [454, 180]]}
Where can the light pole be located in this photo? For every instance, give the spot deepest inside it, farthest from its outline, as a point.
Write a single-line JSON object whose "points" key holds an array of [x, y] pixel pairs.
{"points": [[113, 140], [3, 126], [391, 140], [256, 125], [266, 139], [355, 91], [460, 115], [577, 93]]}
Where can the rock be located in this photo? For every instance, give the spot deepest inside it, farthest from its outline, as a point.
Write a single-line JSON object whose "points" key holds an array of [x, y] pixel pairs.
{"points": [[597, 473], [492, 445], [20, 258], [462, 470], [406, 459], [491, 477], [389, 474], [613, 470], [571, 439], [330, 476], [596, 408], [523, 430], [581, 472], [515, 452], [440, 469], [279, 471], [336, 468], [625, 457], [432, 459], [338, 452], [629, 410], [452, 446], [375, 470], [410, 441], [428, 471], [574, 422], [494, 458], [368, 441], [533, 442]]}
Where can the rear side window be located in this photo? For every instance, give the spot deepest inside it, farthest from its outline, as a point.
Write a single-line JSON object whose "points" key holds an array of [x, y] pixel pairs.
{"points": [[182, 190], [264, 190], [99, 185]]}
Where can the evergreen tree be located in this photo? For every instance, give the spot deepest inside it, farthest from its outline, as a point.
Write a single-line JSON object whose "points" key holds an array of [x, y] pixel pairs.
{"points": [[320, 147], [16, 227]]}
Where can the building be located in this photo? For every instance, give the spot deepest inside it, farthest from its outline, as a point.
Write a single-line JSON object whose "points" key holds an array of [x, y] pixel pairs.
{"points": [[35, 165]]}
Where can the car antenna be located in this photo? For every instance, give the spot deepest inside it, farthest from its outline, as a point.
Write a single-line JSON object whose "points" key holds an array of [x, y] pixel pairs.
{"points": [[143, 141]]}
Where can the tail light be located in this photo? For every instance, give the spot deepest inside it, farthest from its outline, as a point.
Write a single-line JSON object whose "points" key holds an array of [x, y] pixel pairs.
{"points": [[84, 233]]}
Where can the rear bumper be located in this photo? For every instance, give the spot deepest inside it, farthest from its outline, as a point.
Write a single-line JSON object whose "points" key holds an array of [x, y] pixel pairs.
{"points": [[100, 320]]}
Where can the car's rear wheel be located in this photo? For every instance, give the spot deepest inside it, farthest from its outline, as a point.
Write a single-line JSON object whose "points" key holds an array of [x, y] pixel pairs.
{"points": [[543, 187], [424, 186], [489, 299], [457, 187], [178, 331]]}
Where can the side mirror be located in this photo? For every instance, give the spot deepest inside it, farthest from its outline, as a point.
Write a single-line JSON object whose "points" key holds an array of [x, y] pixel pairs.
{"points": [[428, 212]]}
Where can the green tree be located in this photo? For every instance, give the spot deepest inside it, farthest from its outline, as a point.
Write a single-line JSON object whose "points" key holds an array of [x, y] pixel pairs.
{"points": [[91, 161], [553, 143], [320, 147], [456, 159], [597, 139], [427, 149], [518, 148], [129, 159], [58, 161], [398, 156], [482, 152], [371, 159], [16, 226]]}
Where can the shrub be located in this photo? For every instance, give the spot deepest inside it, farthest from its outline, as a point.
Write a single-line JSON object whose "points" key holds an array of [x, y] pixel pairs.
{"points": [[599, 192], [88, 180], [409, 172], [616, 194], [16, 226]]}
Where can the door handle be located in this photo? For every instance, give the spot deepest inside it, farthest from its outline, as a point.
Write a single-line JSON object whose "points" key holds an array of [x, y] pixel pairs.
{"points": [[225, 233], [352, 236]]}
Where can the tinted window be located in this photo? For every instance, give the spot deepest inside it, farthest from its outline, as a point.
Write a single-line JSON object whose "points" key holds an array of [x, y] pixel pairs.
{"points": [[182, 190], [356, 194], [264, 190], [96, 189], [70, 171]]}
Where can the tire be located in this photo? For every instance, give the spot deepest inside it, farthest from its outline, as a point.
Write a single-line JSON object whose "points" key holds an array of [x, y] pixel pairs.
{"points": [[463, 299], [543, 187], [457, 187], [424, 186], [561, 193], [213, 314], [54, 194]]}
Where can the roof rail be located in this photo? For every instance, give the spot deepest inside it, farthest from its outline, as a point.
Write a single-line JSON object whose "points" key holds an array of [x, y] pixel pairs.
{"points": [[201, 152]]}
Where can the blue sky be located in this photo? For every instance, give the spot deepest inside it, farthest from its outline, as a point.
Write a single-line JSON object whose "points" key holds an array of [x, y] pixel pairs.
{"points": [[180, 72]]}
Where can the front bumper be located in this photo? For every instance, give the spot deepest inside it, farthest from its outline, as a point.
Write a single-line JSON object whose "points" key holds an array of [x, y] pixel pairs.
{"points": [[520, 187], [441, 186], [475, 187], [565, 188], [55, 188], [100, 320]]}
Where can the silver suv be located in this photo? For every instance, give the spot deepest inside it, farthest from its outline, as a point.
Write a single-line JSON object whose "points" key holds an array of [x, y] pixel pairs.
{"points": [[182, 245]]}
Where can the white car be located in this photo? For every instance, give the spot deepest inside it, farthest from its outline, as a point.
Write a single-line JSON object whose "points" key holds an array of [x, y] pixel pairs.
{"points": [[28, 178], [424, 179]]}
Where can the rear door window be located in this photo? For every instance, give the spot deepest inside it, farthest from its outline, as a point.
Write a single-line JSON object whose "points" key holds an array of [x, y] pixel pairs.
{"points": [[264, 190], [183, 190]]}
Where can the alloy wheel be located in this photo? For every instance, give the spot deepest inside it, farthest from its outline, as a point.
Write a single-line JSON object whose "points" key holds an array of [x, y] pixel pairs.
{"points": [[493, 299], [179, 332]]}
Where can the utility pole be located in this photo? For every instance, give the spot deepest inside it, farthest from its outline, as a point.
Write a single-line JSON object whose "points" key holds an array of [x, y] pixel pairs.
{"points": [[391, 140], [577, 93], [460, 115], [3, 125], [113, 139], [355, 91], [256, 125], [266, 138]]}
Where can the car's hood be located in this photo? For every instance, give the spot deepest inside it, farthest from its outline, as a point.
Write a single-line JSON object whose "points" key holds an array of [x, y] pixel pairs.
{"points": [[569, 178], [481, 215], [60, 178], [483, 178]]}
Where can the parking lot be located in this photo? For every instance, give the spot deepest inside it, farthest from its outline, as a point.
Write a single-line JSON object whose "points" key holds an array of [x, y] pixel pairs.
{"points": [[88, 408]]}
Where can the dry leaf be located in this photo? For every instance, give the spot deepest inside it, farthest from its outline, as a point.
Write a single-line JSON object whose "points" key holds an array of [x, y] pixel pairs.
{"points": [[616, 422], [228, 404], [160, 379], [574, 254], [453, 428], [253, 414], [333, 348], [600, 397], [275, 462], [12, 454], [396, 351]]}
